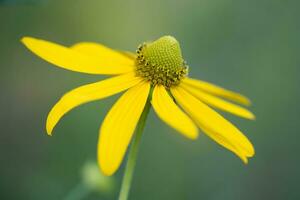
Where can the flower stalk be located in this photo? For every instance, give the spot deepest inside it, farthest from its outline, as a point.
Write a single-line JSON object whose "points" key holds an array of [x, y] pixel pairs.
{"points": [[132, 155]]}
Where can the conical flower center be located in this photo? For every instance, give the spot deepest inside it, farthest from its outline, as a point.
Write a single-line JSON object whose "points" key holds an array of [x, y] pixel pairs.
{"points": [[161, 62]]}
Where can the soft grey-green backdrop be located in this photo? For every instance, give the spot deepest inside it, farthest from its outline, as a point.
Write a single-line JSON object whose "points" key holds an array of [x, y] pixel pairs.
{"points": [[247, 46]]}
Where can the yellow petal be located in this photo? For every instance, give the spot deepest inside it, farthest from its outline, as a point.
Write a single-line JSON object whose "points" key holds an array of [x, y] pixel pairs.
{"points": [[87, 93], [218, 103], [73, 60], [170, 113], [99, 51], [118, 127], [225, 143], [213, 124], [218, 91]]}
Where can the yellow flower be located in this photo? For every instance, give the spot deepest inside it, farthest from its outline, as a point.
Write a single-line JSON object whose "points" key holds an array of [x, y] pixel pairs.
{"points": [[156, 71]]}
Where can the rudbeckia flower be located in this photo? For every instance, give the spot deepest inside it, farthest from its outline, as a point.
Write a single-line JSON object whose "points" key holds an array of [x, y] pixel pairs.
{"points": [[156, 73]]}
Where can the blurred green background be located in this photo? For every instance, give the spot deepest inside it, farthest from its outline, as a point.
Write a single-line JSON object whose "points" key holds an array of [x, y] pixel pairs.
{"points": [[247, 46]]}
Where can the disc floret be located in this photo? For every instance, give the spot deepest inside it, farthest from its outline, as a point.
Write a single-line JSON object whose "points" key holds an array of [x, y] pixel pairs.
{"points": [[161, 62]]}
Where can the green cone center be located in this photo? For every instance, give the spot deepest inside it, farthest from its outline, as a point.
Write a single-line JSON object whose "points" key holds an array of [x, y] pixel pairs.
{"points": [[161, 62]]}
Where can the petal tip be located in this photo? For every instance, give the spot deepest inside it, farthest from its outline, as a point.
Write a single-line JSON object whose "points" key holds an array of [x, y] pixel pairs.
{"points": [[194, 135], [245, 100], [49, 131], [23, 39], [252, 153], [249, 150], [106, 172], [26, 40], [105, 168], [248, 102], [250, 116], [49, 128], [245, 160]]}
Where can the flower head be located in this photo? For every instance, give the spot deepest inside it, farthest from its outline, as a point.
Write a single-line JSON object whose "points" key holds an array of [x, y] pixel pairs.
{"points": [[161, 62], [182, 102]]}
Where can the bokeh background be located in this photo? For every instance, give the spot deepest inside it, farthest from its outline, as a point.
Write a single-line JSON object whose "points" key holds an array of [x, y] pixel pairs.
{"points": [[248, 46]]}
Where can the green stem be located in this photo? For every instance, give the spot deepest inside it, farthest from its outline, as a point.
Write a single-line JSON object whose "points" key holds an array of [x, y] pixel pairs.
{"points": [[132, 155], [77, 193]]}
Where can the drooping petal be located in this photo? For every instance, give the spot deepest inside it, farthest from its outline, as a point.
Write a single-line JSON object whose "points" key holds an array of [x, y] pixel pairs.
{"points": [[170, 113], [225, 143], [218, 103], [73, 60], [213, 124], [118, 127], [87, 93], [102, 52], [218, 91]]}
